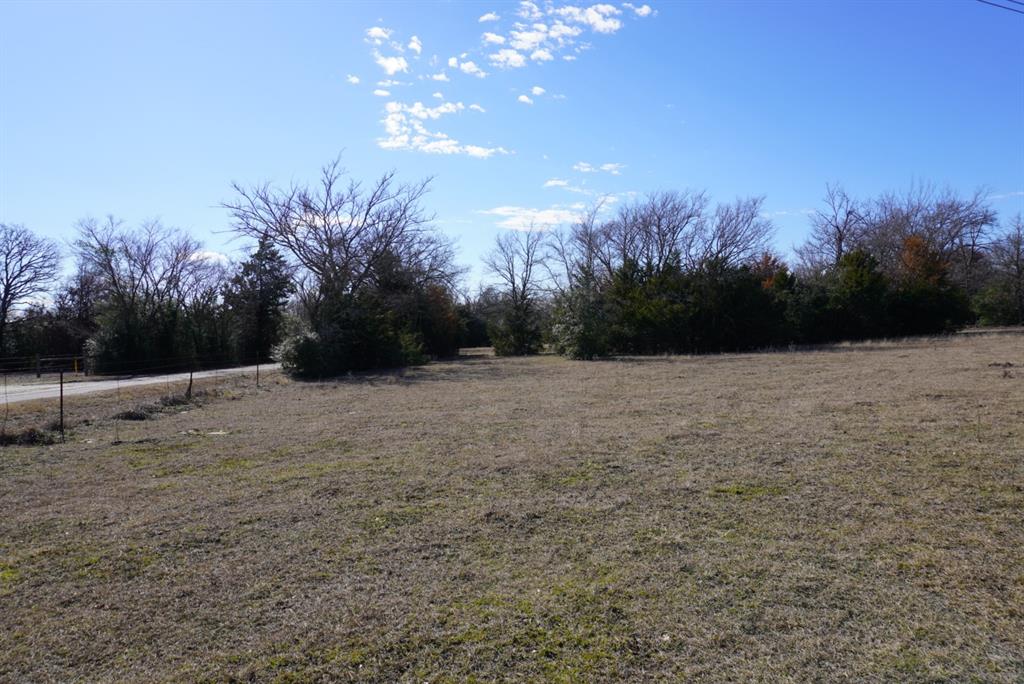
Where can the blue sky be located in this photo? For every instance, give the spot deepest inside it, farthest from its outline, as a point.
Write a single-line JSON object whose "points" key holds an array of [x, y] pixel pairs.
{"points": [[150, 110]]}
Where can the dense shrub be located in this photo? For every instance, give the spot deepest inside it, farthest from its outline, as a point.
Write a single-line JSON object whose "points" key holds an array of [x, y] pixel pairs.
{"points": [[580, 328]]}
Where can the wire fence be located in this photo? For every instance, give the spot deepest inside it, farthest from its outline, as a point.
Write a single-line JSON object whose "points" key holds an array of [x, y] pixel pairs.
{"points": [[44, 397]]}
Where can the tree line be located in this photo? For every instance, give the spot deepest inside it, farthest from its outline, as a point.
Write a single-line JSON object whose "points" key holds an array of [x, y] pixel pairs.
{"points": [[672, 274], [344, 277]]}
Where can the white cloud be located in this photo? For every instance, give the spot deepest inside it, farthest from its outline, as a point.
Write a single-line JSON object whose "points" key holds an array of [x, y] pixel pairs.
{"points": [[600, 18], [440, 77], [507, 59], [472, 69], [354, 80], [1006, 195], [490, 16], [439, 96], [420, 111], [524, 99], [585, 167], [483, 152], [477, 108], [541, 55], [415, 45], [404, 130], [528, 40], [380, 92], [524, 218], [391, 65], [569, 58], [564, 185], [453, 62], [388, 82], [377, 35], [641, 11], [494, 38], [537, 90], [208, 255], [562, 33], [529, 10]]}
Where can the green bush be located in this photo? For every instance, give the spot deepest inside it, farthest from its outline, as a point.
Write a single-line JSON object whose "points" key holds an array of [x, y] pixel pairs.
{"points": [[580, 330]]}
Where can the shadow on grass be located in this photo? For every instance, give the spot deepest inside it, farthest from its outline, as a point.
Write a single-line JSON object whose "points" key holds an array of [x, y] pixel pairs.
{"points": [[464, 367]]}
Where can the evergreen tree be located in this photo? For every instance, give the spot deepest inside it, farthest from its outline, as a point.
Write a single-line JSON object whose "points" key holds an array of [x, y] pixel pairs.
{"points": [[255, 297]]}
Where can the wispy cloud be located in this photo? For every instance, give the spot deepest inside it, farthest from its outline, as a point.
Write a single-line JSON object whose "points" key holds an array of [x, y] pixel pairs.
{"points": [[493, 38], [585, 167], [477, 108], [641, 11], [354, 80], [525, 218], [529, 10], [524, 99], [786, 212], [415, 45], [380, 92], [1006, 195], [537, 90], [490, 16], [566, 185]]}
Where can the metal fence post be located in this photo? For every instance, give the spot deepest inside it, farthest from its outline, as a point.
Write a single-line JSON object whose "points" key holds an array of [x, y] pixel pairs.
{"points": [[62, 438]]}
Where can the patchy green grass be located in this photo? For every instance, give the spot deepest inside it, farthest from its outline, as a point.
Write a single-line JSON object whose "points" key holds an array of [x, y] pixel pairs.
{"points": [[851, 513]]}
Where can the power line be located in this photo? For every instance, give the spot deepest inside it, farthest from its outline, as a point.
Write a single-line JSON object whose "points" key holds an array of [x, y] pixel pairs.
{"points": [[1008, 9]]}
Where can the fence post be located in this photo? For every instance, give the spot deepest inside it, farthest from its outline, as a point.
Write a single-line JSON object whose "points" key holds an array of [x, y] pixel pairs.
{"points": [[257, 370], [62, 439], [38, 371]]}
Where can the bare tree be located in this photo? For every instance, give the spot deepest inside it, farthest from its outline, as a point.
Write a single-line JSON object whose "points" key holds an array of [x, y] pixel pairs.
{"points": [[30, 266], [736, 235], [662, 230], [955, 227], [142, 269], [835, 230], [518, 261], [1008, 263], [582, 250], [341, 233]]}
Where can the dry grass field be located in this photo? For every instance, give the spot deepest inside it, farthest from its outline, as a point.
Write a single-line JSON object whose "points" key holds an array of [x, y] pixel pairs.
{"points": [[851, 513]]}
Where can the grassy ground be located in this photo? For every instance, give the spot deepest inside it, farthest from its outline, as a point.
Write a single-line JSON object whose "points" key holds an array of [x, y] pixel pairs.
{"points": [[849, 513]]}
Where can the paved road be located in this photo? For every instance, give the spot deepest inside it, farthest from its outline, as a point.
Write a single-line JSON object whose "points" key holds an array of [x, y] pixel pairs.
{"points": [[18, 393]]}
